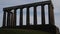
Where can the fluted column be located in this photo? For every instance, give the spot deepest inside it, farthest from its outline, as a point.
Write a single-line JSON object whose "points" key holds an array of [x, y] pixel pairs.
{"points": [[11, 19], [8, 19], [14, 18], [51, 14], [4, 18], [21, 16], [35, 15], [42, 15], [27, 16]]}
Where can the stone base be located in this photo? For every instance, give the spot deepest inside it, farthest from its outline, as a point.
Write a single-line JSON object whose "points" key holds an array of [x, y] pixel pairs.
{"points": [[21, 31], [48, 28]]}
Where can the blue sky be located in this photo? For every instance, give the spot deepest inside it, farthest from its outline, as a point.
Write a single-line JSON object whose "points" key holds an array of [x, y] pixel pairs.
{"points": [[7, 3]]}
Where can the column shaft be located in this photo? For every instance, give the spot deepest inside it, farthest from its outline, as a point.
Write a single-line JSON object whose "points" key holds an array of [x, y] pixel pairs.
{"points": [[42, 15], [11, 20], [35, 15], [8, 19], [4, 18], [51, 14], [14, 18], [27, 16], [21, 17]]}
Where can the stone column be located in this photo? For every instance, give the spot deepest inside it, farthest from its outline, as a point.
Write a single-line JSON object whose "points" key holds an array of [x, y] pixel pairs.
{"points": [[14, 18], [21, 16], [11, 19], [8, 19], [51, 14], [42, 15], [35, 15], [4, 18], [27, 16]]}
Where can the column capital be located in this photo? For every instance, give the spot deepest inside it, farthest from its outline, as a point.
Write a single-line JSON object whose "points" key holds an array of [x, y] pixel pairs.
{"points": [[43, 5], [9, 9], [15, 9], [21, 7], [51, 6], [35, 6], [28, 6]]}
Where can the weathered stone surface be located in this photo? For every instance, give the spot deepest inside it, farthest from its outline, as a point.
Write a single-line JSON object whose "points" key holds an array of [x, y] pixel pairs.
{"points": [[11, 17]]}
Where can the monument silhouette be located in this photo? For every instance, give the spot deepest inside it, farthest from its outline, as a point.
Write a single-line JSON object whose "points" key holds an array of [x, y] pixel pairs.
{"points": [[9, 18]]}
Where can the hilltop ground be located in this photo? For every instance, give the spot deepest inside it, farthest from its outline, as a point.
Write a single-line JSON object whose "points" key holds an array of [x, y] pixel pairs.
{"points": [[21, 31]]}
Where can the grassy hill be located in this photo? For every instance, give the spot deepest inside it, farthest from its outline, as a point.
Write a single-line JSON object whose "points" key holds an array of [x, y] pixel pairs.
{"points": [[21, 31]]}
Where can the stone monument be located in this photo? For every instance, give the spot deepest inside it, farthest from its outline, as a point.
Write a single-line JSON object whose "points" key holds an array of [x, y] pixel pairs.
{"points": [[9, 18]]}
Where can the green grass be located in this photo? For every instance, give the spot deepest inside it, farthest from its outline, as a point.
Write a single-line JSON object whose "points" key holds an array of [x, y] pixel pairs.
{"points": [[21, 31]]}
